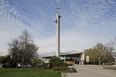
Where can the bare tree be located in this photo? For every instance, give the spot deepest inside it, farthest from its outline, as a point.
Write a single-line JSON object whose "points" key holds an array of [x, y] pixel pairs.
{"points": [[111, 45], [14, 50], [22, 50]]}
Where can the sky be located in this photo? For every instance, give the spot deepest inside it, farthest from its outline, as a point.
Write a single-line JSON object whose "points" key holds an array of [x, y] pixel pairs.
{"points": [[83, 23]]}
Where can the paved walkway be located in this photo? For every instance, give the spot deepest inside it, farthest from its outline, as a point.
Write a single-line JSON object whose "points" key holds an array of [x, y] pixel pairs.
{"points": [[91, 71]]}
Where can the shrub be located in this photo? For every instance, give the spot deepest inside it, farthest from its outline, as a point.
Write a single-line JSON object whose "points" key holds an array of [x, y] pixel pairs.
{"points": [[64, 69], [56, 62], [45, 65], [8, 62], [71, 70], [61, 68]]}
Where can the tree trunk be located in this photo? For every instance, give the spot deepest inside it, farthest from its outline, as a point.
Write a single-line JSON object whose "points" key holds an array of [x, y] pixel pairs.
{"points": [[99, 62], [22, 63]]}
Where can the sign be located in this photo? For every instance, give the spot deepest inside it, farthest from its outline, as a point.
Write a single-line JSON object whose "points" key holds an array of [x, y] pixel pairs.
{"points": [[87, 58]]}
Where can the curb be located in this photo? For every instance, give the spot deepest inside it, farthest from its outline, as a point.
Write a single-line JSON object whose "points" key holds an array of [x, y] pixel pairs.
{"points": [[63, 74]]}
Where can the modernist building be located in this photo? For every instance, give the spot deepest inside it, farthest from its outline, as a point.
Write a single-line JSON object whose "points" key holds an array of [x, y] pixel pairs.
{"points": [[69, 58]]}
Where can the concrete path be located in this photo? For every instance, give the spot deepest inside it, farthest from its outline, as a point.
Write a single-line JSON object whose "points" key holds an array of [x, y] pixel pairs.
{"points": [[91, 71]]}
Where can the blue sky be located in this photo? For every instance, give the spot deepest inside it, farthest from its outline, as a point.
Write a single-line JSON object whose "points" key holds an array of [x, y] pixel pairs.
{"points": [[84, 23]]}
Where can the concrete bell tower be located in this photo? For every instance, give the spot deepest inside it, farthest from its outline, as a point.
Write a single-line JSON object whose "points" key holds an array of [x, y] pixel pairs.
{"points": [[58, 33]]}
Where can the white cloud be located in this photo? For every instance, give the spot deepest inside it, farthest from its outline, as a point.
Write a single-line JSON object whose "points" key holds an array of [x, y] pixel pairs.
{"points": [[46, 44], [83, 23]]}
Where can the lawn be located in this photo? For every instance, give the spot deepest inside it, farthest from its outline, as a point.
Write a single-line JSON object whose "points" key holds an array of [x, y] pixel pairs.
{"points": [[110, 68], [28, 72]]}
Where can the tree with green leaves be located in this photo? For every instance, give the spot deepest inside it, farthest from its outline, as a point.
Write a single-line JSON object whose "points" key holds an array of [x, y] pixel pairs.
{"points": [[99, 53], [56, 62], [2, 59], [7, 62], [99, 50], [92, 55]]}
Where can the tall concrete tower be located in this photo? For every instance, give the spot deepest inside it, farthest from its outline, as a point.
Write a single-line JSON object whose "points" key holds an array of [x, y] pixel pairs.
{"points": [[58, 32]]}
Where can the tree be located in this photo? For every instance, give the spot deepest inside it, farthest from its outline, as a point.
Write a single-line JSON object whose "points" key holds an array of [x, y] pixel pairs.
{"points": [[100, 49], [7, 62], [91, 53], [2, 59], [15, 51], [111, 45], [99, 53], [23, 49], [36, 61]]}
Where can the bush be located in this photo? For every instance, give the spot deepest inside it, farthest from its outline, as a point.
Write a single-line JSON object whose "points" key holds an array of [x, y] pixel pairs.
{"points": [[64, 69], [71, 70], [45, 65], [61, 68], [56, 62], [8, 62]]}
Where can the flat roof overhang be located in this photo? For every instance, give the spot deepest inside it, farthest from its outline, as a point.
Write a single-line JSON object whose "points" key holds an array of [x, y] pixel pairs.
{"points": [[66, 55], [71, 54]]}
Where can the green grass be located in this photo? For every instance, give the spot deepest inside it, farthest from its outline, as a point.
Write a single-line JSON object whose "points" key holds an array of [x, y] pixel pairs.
{"points": [[28, 72], [110, 68]]}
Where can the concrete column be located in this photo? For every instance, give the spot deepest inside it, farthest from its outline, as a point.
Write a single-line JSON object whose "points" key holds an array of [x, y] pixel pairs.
{"points": [[64, 58], [83, 57], [74, 59], [82, 62], [58, 33]]}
